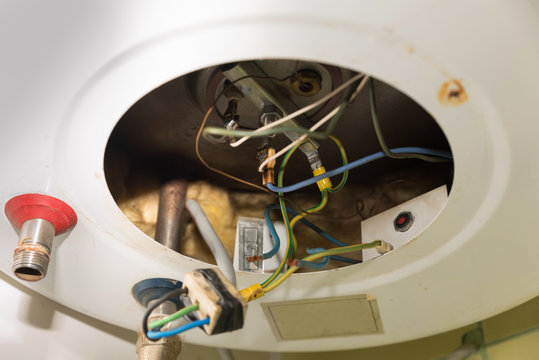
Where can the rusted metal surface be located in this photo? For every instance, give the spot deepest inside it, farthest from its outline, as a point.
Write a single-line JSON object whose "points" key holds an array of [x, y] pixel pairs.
{"points": [[170, 216], [452, 93]]}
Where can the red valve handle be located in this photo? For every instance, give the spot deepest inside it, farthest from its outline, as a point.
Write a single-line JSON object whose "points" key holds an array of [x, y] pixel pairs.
{"points": [[37, 206]]}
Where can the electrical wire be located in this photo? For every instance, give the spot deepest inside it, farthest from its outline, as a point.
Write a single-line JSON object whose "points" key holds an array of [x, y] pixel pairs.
{"points": [[302, 110], [321, 254], [344, 162], [332, 257], [356, 163], [310, 225], [203, 161], [320, 206], [290, 245], [299, 140], [288, 251], [168, 296], [318, 135], [212, 240], [273, 233], [213, 130], [382, 142], [333, 115], [156, 335], [344, 259], [314, 265], [170, 318]]}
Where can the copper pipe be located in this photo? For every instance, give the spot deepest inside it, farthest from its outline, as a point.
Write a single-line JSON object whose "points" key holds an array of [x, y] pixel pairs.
{"points": [[170, 216]]}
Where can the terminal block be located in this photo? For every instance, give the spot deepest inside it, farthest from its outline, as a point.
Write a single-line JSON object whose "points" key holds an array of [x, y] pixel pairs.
{"points": [[217, 298]]}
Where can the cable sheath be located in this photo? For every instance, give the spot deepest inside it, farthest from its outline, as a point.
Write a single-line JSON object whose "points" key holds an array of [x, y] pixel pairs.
{"points": [[212, 240]]}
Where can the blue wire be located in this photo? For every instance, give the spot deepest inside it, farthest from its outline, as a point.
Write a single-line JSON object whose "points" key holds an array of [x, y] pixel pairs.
{"points": [[154, 335], [273, 232], [356, 163], [315, 265], [277, 241], [333, 257], [344, 259], [306, 222]]}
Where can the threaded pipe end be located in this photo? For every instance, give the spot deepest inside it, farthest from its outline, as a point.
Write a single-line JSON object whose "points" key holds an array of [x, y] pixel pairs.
{"points": [[30, 264]]}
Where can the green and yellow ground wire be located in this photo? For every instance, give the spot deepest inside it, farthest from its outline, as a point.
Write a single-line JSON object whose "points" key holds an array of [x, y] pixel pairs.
{"points": [[321, 254]]}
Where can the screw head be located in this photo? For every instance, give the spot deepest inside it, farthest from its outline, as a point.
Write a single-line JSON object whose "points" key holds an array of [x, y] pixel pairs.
{"points": [[403, 221]]}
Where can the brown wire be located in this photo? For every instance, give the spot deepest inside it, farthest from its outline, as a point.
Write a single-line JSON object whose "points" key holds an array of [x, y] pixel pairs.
{"points": [[205, 163], [199, 155]]}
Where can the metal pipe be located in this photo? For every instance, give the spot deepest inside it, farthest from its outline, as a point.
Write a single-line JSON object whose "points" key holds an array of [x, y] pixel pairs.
{"points": [[168, 232], [164, 348], [32, 255], [170, 216]]}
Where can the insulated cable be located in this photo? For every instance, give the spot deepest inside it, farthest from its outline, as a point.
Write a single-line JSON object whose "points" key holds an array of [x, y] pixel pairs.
{"points": [[309, 224], [182, 312], [321, 254], [299, 140], [302, 110], [291, 243], [203, 161], [298, 217], [314, 265], [344, 162], [356, 163], [318, 135], [212, 240], [168, 296], [273, 232], [156, 335], [382, 142], [333, 115]]}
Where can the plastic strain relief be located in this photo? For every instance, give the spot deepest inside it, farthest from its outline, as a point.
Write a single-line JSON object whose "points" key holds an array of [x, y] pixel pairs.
{"points": [[324, 183], [384, 247], [252, 292]]}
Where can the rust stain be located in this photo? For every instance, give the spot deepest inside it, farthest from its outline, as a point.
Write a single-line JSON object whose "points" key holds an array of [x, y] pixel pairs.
{"points": [[452, 93], [410, 49]]}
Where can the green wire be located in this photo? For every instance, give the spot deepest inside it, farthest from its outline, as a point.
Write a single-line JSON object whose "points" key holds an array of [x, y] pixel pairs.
{"points": [[285, 218], [214, 130], [176, 315], [344, 161], [342, 250], [380, 136], [319, 135], [290, 248]]}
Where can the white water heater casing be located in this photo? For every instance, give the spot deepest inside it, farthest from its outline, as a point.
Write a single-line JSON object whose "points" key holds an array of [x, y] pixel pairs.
{"points": [[72, 70]]}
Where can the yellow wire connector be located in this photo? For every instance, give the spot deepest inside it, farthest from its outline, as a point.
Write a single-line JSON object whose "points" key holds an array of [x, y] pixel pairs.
{"points": [[324, 183], [252, 292]]}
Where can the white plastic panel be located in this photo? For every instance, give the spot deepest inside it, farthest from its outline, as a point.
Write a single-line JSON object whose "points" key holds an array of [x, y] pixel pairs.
{"points": [[423, 210]]}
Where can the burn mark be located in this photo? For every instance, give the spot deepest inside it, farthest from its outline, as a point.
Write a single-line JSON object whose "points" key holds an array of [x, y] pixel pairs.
{"points": [[452, 93]]}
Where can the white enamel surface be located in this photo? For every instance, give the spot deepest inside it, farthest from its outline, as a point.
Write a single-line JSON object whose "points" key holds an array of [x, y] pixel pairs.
{"points": [[74, 68], [424, 209]]}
